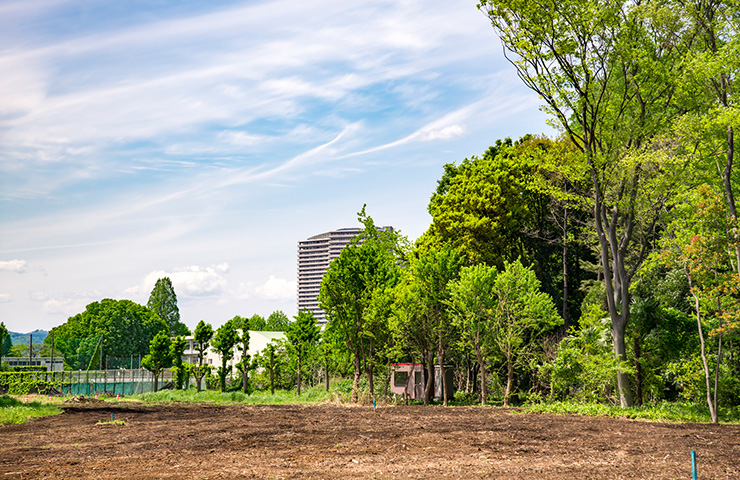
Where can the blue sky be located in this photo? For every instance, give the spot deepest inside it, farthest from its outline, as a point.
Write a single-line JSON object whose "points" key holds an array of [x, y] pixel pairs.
{"points": [[203, 140]]}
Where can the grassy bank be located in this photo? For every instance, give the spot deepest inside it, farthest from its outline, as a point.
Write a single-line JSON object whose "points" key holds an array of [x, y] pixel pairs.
{"points": [[661, 412], [13, 410], [281, 397]]}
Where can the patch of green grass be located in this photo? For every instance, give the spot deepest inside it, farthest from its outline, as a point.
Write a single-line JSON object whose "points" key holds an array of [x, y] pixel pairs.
{"points": [[13, 410], [312, 395], [111, 422], [682, 412]]}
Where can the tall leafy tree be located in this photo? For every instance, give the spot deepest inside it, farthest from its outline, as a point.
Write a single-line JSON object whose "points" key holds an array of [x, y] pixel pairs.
{"points": [[607, 73], [258, 323], [202, 338], [223, 343], [277, 321], [368, 263], [702, 242], [179, 372], [472, 302], [479, 207], [159, 356], [303, 336], [432, 271], [522, 313], [3, 334], [709, 80], [127, 329], [243, 326], [163, 301], [413, 331], [523, 199], [6, 345]]}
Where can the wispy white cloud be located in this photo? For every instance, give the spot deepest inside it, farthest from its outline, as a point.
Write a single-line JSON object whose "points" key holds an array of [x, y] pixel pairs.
{"points": [[277, 289], [264, 66], [273, 288], [67, 303], [17, 266], [191, 281], [178, 130]]}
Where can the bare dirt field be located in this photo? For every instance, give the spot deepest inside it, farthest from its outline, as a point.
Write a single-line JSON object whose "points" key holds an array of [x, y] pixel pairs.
{"points": [[340, 442]]}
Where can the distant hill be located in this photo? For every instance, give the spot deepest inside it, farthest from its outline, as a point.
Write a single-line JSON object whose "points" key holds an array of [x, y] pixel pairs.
{"points": [[22, 338]]}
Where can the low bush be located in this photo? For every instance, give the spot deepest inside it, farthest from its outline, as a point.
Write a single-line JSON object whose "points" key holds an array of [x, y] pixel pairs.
{"points": [[658, 412]]}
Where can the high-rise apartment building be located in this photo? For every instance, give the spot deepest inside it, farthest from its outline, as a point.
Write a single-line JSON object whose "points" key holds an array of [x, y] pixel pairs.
{"points": [[314, 256]]}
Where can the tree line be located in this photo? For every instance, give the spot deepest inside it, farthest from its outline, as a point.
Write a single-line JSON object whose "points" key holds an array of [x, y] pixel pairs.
{"points": [[603, 264]]}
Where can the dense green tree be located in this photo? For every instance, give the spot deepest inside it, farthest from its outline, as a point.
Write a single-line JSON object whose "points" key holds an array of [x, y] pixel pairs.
{"points": [[708, 82], [432, 270], [514, 202], [369, 263], [522, 314], [223, 343], [159, 356], [202, 338], [702, 242], [273, 367], [472, 303], [303, 336], [607, 73], [478, 206], [584, 367], [163, 301], [6, 345], [179, 372], [127, 329], [257, 323], [278, 321], [3, 335], [243, 326], [413, 331]]}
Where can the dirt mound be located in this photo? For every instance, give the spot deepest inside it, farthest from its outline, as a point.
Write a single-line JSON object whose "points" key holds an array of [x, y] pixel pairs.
{"points": [[83, 399]]}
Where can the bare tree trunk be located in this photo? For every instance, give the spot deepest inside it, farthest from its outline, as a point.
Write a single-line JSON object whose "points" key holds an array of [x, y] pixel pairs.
{"points": [[356, 381], [719, 360], [326, 369], [441, 361], [697, 308], [370, 368], [566, 317], [245, 379], [727, 179], [410, 381], [429, 388], [483, 396], [509, 381], [199, 375], [617, 293], [272, 371], [298, 390]]}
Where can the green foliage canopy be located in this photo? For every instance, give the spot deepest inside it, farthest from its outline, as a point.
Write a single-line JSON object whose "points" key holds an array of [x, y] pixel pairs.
{"points": [[163, 301], [127, 329]]}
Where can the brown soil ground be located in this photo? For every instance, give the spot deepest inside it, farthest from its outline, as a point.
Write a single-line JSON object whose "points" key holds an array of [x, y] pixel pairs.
{"points": [[340, 442]]}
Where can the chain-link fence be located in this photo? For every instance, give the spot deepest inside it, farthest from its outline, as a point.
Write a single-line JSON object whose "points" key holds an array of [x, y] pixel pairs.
{"points": [[92, 382], [112, 382]]}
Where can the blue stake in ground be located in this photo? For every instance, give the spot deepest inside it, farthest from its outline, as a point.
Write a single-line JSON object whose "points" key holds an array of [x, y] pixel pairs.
{"points": [[693, 465]]}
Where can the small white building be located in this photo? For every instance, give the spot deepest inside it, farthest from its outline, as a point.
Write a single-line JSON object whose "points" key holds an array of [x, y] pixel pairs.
{"points": [[257, 342], [57, 366]]}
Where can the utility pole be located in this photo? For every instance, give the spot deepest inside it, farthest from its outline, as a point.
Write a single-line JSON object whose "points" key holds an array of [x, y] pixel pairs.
{"points": [[52, 353], [30, 348], [101, 352]]}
